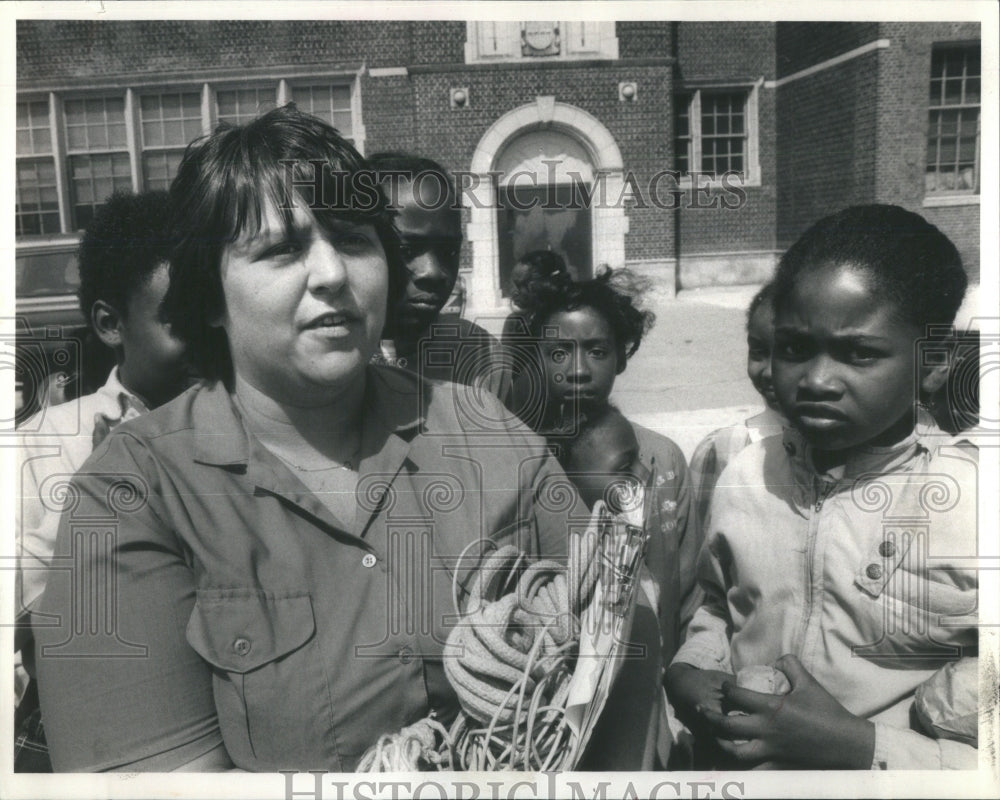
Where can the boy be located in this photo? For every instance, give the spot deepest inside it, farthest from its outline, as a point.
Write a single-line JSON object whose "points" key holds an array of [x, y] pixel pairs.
{"points": [[123, 278]]}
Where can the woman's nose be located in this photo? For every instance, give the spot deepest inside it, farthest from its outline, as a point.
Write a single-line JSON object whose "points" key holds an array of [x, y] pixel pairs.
{"points": [[326, 270]]}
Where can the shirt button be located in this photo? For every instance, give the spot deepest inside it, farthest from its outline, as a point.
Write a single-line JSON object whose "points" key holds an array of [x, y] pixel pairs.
{"points": [[241, 646], [405, 655], [369, 560], [874, 571], [887, 549]]}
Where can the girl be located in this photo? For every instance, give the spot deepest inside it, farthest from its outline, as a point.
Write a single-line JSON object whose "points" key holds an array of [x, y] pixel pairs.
{"points": [[719, 447], [582, 336], [835, 550]]}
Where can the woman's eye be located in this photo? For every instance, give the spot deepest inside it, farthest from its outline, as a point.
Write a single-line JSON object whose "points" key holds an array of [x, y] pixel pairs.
{"points": [[282, 249], [352, 242], [790, 350]]}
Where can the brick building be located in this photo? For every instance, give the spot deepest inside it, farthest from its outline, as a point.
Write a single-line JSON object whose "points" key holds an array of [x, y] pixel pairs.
{"points": [[706, 147]]}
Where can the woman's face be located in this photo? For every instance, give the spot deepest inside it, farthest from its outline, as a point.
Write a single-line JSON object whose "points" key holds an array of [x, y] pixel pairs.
{"points": [[305, 307], [581, 364]]}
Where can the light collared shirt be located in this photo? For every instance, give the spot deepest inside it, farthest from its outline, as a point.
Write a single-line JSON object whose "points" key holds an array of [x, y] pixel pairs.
{"points": [[246, 613], [716, 450], [53, 444], [864, 574]]}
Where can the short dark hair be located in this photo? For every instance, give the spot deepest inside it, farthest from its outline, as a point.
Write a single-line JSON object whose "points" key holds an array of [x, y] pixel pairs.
{"points": [[764, 296], [125, 242], [410, 166], [614, 294], [909, 262], [222, 184], [534, 269]]}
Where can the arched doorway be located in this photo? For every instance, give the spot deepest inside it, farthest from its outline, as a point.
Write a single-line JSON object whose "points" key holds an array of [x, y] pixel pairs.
{"points": [[544, 179], [560, 146]]}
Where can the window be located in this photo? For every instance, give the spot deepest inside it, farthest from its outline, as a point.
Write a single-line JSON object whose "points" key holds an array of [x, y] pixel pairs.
{"points": [[75, 149], [238, 106], [36, 208], [330, 103], [953, 125], [97, 154], [714, 134], [168, 122], [539, 41]]}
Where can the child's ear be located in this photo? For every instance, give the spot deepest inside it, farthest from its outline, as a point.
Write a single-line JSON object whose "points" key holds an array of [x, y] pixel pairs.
{"points": [[106, 322]]}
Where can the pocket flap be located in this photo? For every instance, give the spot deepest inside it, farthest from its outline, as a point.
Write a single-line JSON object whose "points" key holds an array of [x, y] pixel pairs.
{"points": [[238, 631]]}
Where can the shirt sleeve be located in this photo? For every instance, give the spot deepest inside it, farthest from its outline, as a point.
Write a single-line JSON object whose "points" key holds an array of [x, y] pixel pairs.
{"points": [[119, 685], [707, 643], [899, 748]]}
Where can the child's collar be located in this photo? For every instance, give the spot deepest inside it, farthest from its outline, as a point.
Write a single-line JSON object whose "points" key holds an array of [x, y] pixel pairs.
{"points": [[864, 460]]}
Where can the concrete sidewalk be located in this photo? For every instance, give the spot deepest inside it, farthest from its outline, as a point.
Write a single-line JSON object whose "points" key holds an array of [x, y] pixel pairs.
{"points": [[689, 376]]}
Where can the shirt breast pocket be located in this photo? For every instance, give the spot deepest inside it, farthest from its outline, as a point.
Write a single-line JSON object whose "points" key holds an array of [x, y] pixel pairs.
{"points": [[269, 682], [925, 609]]}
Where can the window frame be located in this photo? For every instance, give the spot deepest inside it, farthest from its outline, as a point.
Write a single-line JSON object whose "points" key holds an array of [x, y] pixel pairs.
{"points": [[576, 40], [953, 197], [695, 137], [206, 85]]}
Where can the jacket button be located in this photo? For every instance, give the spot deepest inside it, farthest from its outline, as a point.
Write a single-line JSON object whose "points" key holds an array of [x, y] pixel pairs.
{"points": [[241, 646], [874, 571], [405, 655], [369, 560], [887, 549]]}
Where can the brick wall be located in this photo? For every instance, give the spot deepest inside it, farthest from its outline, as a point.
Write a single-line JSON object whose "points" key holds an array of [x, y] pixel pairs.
{"points": [[80, 49], [802, 44], [904, 79], [826, 143], [738, 52]]}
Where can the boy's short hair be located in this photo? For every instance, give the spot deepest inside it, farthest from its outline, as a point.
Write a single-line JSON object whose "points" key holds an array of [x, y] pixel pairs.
{"points": [[122, 246], [764, 296], [220, 190], [410, 165], [909, 261]]}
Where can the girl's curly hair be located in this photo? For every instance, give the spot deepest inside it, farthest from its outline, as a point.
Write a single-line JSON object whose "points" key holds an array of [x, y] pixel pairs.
{"points": [[614, 294]]}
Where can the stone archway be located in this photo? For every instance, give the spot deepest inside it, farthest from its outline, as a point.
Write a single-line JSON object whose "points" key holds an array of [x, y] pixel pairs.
{"points": [[609, 223]]}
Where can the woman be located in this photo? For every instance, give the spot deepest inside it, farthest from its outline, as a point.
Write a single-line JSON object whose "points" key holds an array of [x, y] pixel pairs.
{"points": [[283, 542]]}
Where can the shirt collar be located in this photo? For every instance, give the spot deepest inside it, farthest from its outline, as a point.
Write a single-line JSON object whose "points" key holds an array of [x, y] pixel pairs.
{"points": [[393, 400], [864, 460], [117, 402]]}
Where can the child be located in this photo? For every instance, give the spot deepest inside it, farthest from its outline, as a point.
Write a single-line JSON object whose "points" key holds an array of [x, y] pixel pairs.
{"points": [[123, 279], [718, 448], [603, 461], [584, 334], [834, 551]]}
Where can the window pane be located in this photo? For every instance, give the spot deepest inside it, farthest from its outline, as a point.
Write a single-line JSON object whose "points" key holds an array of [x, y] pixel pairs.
{"points": [[36, 209], [33, 136], [159, 169], [170, 119], [96, 123], [952, 136], [92, 179]]}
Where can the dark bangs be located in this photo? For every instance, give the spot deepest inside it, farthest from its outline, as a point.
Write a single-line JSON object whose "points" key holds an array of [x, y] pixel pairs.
{"points": [[225, 181]]}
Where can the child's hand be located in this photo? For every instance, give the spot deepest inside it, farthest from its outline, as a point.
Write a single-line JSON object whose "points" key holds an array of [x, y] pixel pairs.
{"points": [[807, 726], [690, 688]]}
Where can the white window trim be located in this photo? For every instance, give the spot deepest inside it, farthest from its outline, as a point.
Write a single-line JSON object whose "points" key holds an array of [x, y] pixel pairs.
{"points": [[281, 82], [510, 45], [752, 172]]}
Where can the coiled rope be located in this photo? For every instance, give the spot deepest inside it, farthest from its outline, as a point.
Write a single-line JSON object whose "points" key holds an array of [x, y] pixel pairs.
{"points": [[510, 660]]}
